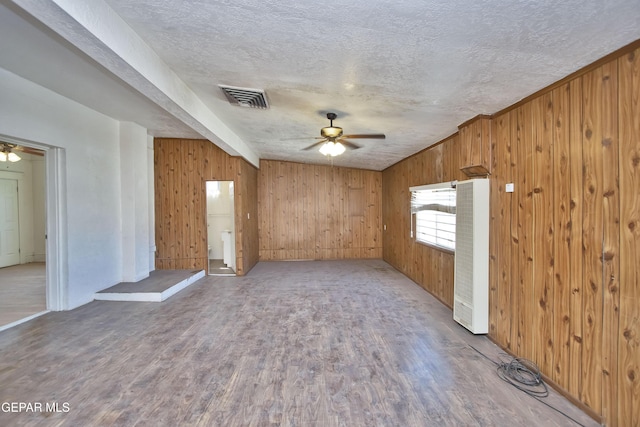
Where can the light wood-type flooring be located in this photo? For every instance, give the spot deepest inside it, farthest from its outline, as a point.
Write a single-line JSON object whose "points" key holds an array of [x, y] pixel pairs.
{"points": [[22, 291], [218, 268], [325, 343]]}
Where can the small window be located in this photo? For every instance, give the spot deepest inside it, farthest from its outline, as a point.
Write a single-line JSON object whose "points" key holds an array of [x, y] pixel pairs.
{"points": [[433, 209]]}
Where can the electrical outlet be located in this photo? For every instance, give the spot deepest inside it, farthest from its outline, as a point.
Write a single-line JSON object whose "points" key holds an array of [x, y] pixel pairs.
{"points": [[385, 227], [509, 187], [248, 215]]}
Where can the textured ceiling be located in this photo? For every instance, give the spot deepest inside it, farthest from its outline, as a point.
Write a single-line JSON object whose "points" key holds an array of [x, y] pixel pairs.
{"points": [[411, 69]]}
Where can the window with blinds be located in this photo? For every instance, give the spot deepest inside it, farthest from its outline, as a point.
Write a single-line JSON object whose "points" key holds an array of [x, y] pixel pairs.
{"points": [[433, 209]]}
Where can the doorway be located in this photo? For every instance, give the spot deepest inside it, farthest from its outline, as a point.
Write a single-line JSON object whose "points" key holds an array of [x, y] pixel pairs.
{"points": [[221, 235], [23, 284]]}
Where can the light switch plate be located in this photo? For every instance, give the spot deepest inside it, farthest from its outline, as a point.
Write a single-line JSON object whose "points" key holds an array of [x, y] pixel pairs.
{"points": [[509, 187]]}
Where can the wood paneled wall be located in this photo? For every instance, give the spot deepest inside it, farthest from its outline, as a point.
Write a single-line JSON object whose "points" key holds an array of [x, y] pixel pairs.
{"points": [[247, 217], [565, 246], [182, 166], [430, 268], [318, 212], [628, 327]]}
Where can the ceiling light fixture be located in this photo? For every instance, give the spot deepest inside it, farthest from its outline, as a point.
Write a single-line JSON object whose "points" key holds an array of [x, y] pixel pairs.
{"points": [[333, 142], [332, 148], [7, 154]]}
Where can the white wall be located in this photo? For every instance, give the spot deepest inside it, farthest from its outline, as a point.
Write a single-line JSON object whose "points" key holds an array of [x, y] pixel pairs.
{"points": [[93, 182], [134, 202]]}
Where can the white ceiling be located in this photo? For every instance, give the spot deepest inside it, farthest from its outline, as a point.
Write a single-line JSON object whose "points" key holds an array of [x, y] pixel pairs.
{"points": [[411, 69]]}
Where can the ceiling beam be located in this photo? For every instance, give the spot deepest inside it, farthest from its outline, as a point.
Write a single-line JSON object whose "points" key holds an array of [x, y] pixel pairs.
{"points": [[94, 28]]}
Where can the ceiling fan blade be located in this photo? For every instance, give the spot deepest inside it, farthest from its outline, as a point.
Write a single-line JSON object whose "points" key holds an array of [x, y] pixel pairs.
{"points": [[29, 150], [298, 138], [315, 144], [348, 143], [366, 136]]}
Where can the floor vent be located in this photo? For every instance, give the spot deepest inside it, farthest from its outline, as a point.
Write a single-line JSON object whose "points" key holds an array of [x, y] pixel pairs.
{"points": [[244, 97]]}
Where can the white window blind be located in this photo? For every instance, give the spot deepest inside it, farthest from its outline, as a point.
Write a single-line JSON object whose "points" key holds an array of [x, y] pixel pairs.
{"points": [[434, 209]]}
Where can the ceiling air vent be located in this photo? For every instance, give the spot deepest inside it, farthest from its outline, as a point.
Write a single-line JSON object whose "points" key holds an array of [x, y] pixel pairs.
{"points": [[244, 97]]}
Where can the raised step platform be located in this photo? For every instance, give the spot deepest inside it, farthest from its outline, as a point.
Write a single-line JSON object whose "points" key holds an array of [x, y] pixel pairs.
{"points": [[160, 285]]}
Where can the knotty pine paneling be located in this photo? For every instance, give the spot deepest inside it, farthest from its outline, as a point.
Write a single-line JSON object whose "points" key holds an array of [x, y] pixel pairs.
{"points": [[500, 232], [564, 247], [542, 201], [246, 217], [182, 166], [610, 237], [475, 142], [562, 227], [592, 221], [318, 212], [515, 118], [575, 239], [628, 334], [429, 267], [526, 246]]}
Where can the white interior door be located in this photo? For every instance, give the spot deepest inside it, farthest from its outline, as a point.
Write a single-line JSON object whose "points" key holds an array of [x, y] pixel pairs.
{"points": [[9, 223]]}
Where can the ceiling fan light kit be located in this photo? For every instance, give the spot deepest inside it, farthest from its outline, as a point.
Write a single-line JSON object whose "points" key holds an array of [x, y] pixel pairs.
{"points": [[332, 149], [7, 154], [334, 142]]}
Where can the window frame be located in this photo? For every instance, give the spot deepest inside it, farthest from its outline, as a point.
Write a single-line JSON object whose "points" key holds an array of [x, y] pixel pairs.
{"points": [[414, 214]]}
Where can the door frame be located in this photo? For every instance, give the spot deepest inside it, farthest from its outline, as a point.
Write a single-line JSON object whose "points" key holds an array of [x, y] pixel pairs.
{"points": [[233, 220], [56, 226], [56, 258]]}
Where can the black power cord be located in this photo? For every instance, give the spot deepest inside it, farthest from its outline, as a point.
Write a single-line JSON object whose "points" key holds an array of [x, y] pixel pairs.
{"points": [[524, 375]]}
